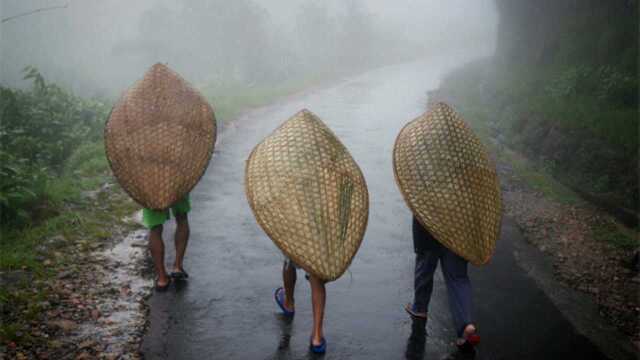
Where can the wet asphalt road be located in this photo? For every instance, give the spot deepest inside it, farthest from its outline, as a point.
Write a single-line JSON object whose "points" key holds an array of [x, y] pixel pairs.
{"points": [[226, 310]]}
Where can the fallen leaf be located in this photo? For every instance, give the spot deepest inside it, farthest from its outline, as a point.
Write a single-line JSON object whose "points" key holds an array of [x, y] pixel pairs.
{"points": [[83, 356], [65, 325], [95, 314], [86, 344]]}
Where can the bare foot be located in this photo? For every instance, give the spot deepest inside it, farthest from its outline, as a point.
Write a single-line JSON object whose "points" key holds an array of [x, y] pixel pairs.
{"points": [[162, 282], [469, 336], [316, 340], [290, 306]]}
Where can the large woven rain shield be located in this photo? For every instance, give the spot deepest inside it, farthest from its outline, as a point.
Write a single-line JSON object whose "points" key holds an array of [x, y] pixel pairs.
{"points": [[308, 194], [449, 182], [159, 138]]}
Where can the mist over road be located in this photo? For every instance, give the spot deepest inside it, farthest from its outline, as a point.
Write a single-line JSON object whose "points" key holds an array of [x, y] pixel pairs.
{"points": [[226, 310]]}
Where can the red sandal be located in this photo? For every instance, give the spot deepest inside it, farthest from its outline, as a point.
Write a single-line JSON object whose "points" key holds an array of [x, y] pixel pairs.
{"points": [[471, 340]]}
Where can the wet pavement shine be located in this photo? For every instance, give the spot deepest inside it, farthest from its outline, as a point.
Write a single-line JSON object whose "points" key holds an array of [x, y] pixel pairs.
{"points": [[226, 309]]}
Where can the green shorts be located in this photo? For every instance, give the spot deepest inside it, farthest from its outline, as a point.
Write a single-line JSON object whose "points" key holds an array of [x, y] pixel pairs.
{"points": [[153, 218]]}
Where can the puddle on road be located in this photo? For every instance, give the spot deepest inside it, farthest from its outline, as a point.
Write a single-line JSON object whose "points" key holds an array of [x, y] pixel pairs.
{"points": [[123, 316]]}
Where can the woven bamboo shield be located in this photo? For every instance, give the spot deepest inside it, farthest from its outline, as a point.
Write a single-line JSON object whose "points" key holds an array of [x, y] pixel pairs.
{"points": [[159, 138], [309, 195], [449, 182]]}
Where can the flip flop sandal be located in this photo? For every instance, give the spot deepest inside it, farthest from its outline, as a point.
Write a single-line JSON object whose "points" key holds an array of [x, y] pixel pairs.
{"points": [[179, 275], [162, 288], [279, 296], [318, 349], [411, 310], [466, 348], [473, 339]]}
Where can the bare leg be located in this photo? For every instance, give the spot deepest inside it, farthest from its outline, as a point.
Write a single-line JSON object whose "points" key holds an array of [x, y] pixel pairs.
{"points": [[181, 238], [156, 247], [289, 277], [318, 299]]}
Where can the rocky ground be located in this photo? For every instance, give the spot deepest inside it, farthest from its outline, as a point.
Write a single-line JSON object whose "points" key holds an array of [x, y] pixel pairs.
{"points": [[90, 305], [572, 234]]}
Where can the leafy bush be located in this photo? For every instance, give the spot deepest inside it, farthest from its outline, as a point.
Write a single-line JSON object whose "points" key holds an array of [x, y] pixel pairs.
{"points": [[40, 129], [21, 184], [45, 124], [88, 159], [568, 83], [617, 87]]}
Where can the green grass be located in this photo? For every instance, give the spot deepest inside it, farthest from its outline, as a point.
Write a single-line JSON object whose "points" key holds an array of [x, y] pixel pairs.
{"points": [[65, 212], [588, 102], [9, 332], [24, 303], [18, 247], [572, 97], [89, 160], [81, 224], [229, 100], [539, 178], [617, 235], [84, 224]]}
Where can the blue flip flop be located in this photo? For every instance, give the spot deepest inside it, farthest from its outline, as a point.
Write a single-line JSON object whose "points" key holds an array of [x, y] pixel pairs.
{"points": [[279, 296], [318, 349]]}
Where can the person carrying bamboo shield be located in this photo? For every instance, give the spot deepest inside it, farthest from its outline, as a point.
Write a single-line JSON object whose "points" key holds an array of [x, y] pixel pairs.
{"points": [[449, 182], [309, 196], [159, 139]]}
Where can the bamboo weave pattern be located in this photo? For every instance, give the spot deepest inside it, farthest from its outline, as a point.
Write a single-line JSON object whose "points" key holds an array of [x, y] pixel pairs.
{"points": [[446, 177], [308, 194], [159, 138]]}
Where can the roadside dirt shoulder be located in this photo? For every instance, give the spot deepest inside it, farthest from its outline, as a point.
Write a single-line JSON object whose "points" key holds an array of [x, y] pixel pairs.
{"points": [[581, 261], [89, 301]]}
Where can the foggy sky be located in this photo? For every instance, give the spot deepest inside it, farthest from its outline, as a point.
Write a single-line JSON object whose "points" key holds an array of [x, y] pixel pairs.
{"points": [[99, 47]]}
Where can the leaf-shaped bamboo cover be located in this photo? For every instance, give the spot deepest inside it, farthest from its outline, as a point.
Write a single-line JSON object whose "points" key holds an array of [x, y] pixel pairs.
{"points": [[159, 138], [449, 182], [309, 195]]}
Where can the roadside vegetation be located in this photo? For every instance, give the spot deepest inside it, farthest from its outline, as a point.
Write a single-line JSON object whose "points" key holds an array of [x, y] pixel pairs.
{"points": [[56, 194], [565, 96], [576, 161], [558, 106], [51, 151]]}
